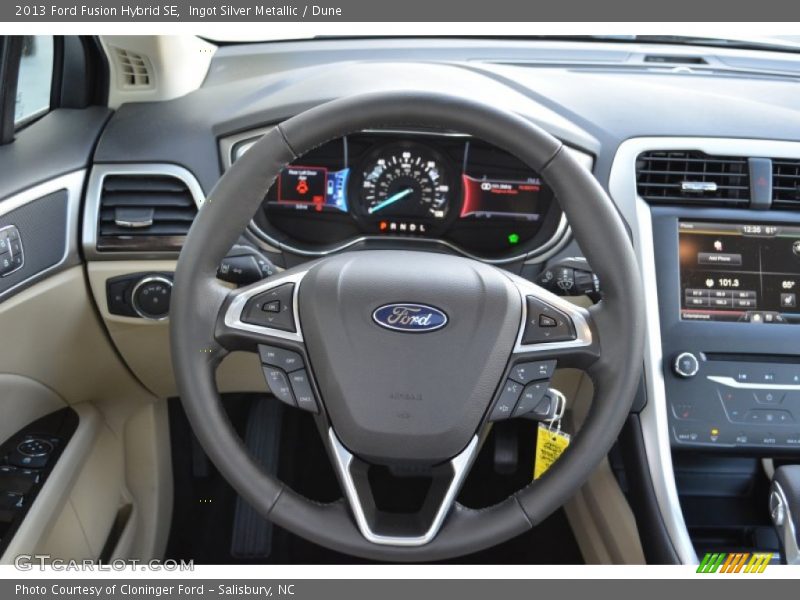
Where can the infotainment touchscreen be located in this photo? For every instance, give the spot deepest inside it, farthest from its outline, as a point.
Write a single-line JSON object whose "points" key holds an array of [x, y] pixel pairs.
{"points": [[745, 272]]}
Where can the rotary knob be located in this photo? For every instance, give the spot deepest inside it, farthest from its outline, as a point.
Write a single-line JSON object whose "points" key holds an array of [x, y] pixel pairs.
{"points": [[686, 365], [150, 297]]}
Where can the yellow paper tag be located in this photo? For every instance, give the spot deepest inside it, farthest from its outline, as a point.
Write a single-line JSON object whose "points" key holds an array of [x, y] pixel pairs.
{"points": [[550, 443]]}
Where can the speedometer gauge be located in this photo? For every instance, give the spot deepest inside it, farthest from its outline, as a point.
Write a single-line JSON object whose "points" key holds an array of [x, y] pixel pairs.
{"points": [[407, 181]]}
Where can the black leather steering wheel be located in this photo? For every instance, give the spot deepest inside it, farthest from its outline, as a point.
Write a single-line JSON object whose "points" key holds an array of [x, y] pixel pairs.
{"points": [[424, 398]]}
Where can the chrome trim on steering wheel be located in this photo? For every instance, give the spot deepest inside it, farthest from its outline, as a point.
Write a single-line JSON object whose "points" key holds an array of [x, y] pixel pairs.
{"points": [[343, 459], [233, 316]]}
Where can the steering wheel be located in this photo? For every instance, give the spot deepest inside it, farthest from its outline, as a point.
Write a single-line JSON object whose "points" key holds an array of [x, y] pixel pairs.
{"points": [[405, 358]]}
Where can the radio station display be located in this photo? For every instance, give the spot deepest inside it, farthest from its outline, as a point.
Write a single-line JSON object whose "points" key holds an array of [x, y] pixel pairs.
{"points": [[314, 188], [739, 272]]}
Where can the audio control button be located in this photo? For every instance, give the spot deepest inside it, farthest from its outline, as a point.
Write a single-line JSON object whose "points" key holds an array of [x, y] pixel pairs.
{"points": [[507, 401], [686, 365]]}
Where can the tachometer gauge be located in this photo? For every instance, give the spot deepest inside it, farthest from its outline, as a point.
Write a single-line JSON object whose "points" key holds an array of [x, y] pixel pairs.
{"points": [[407, 181]]}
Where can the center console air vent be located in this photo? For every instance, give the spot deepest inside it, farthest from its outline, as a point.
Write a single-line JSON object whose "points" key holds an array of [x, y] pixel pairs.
{"points": [[144, 212], [786, 183], [691, 177]]}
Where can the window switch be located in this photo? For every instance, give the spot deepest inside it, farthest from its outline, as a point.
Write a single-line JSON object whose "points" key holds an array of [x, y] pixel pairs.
{"points": [[20, 481]]}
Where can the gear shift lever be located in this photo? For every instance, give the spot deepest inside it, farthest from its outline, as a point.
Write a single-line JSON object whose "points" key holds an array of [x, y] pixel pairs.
{"points": [[784, 508]]}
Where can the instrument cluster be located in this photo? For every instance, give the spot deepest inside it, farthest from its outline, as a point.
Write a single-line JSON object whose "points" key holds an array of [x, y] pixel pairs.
{"points": [[404, 186]]}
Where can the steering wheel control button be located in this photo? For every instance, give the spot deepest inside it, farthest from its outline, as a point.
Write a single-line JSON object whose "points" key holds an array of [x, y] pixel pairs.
{"points": [[533, 371], [686, 365], [278, 357], [504, 407], [532, 397], [278, 384], [546, 323], [303, 392], [151, 296], [272, 308]]}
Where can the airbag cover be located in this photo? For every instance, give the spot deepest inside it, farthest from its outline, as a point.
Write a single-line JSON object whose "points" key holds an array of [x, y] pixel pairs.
{"points": [[407, 396]]}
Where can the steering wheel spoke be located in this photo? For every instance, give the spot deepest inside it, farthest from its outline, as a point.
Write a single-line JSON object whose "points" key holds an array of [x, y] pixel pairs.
{"points": [[263, 317], [553, 333], [392, 528]]}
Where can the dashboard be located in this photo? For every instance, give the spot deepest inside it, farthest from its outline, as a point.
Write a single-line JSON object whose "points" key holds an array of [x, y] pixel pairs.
{"points": [[719, 377], [406, 187]]}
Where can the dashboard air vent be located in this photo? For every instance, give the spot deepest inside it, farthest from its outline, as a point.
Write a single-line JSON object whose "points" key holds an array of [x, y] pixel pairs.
{"points": [[786, 183], [691, 177], [144, 212], [135, 71]]}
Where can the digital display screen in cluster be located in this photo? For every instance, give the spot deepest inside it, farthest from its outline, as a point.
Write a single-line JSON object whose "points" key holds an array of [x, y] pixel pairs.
{"points": [[748, 272], [316, 188], [498, 198]]}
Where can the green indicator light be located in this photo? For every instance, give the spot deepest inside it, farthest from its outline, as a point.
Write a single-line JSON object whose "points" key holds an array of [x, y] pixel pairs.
{"points": [[513, 238]]}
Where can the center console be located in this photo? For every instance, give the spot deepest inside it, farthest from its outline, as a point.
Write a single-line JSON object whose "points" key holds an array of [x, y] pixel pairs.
{"points": [[728, 299]]}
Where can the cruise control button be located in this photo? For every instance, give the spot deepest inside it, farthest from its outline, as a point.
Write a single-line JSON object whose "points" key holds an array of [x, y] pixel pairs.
{"points": [[241, 270], [533, 371], [259, 309], [540, 312], [303, 392], [279, 385], [278, 357], [532, 396], [504, 407]]}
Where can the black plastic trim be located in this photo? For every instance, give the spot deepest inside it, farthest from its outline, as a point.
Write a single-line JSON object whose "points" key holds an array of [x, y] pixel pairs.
{"points": [[10, 55], [656, 543], [60, 424]]}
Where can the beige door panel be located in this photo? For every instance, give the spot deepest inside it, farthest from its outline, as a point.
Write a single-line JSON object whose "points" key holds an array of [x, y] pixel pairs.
{"points": [[60, 355], [22, 401], [59, 342], [44, 517], [94, 498]]}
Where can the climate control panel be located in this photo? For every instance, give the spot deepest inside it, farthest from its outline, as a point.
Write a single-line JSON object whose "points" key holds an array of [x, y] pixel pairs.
{"points": [[734, 402]]}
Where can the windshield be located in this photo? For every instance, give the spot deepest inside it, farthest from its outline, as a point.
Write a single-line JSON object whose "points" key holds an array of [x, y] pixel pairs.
{"points": [[785, 43]]}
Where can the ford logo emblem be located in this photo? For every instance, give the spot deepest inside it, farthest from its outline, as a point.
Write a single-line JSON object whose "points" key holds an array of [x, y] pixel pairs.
{"points": [[412, 318]]}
